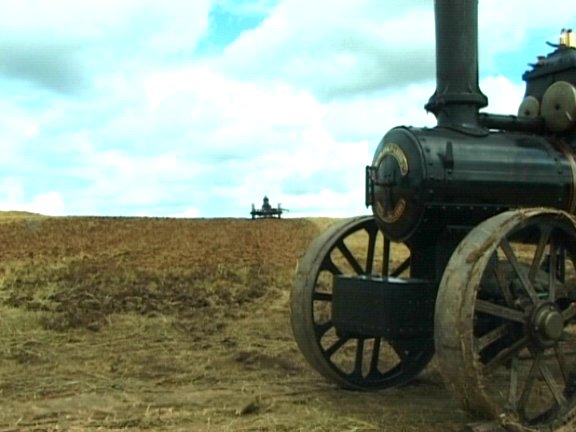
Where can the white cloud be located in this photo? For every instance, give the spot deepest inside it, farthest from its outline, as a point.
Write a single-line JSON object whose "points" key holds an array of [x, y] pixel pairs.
{"points": [[504, 96], [293, 108], [189, 212], [131, 182], [327, 203], [246, 7], [13, 197], [173, 24], [357, 48], [49, 203], [16, 127], [64, 46], [499, 34], [11, 191]]}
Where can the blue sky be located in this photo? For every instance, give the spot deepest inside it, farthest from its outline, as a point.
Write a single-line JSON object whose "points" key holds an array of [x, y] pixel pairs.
{"points": [[200, 108]]}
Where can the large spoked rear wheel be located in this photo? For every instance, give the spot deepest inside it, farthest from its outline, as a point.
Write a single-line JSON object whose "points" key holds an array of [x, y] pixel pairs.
{"points": [[504, 324], [353, 247]]}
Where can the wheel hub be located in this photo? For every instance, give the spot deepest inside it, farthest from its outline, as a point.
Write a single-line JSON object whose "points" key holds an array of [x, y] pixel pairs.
{"points": [[548, 323]]}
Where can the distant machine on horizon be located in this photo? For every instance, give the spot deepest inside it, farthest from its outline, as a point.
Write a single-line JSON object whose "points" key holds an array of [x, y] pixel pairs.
{"points": [[267, 211]]}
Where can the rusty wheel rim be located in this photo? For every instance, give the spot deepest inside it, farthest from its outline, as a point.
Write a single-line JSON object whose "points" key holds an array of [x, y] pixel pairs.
{"points": [[505, 321], [353, 247]]}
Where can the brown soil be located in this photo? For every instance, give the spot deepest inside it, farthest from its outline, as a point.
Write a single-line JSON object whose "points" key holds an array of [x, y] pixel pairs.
{"points": [[171, 324]]}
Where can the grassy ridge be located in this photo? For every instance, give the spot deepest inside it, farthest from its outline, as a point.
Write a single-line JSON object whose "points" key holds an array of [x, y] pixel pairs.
{"points": [[80, 270]]}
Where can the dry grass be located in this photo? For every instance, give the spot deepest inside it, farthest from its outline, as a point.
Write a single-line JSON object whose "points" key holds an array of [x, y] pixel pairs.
{"points": [[84, 269], [158, 324], [83, 293]]}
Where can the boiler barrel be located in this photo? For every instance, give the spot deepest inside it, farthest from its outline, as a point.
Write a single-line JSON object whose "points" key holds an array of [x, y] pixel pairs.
{"points": [[445, 177]]}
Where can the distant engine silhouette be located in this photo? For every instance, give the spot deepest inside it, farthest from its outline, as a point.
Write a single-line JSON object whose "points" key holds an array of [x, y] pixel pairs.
{"points": [[267, 211]]}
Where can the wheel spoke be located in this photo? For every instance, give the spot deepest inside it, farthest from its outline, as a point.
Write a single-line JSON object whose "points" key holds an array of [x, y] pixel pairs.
{"points": [[328, 265], [492, 336], [551, 382], [552, 272], [525, 396], [500, 311], [386, 258], [322, 296], [504, 287], [505, 354], [359, 358], [321, 329], [561, 359], [350, 258], [526, 284], [336, 346], [401, 268], [539, 254], [375, 357], [513, 387], [371, 249]]}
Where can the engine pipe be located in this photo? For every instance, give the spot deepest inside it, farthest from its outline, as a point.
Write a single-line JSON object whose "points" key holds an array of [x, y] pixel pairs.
{"points": [[512, 123], [457, 98]]}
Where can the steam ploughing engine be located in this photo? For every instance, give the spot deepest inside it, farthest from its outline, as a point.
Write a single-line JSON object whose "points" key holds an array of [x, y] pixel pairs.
{"points": [[267, 211], [470, 252]]}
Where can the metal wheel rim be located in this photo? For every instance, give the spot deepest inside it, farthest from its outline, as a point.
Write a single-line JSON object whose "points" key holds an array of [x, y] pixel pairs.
{"points": [[307, 331], [459, 309]]}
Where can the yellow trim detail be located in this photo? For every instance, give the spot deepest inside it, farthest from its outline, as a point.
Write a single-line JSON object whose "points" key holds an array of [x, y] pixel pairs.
{"points": [[397, 153], [395, 214], [567, 38]]}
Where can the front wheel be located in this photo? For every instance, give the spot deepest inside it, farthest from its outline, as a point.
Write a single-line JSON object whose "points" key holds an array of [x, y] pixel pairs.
{"points": [[353, 247]]}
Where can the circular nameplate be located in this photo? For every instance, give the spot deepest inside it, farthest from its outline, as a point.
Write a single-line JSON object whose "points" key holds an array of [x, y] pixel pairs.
{"points": [[396, 209]]}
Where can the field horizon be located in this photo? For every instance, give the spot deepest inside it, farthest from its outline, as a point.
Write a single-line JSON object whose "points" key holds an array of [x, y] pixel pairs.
{"points": [[135, 323]]}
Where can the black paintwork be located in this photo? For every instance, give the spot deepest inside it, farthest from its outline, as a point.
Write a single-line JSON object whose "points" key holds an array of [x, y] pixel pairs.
{"points": [[559, 65], [429, 186]]}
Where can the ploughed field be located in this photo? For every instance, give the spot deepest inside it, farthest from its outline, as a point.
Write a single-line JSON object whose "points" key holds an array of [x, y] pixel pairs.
{"points": [[174, 324]]}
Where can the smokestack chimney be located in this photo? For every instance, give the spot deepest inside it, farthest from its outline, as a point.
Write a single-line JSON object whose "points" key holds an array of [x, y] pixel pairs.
{"points": [[457, 98]]}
